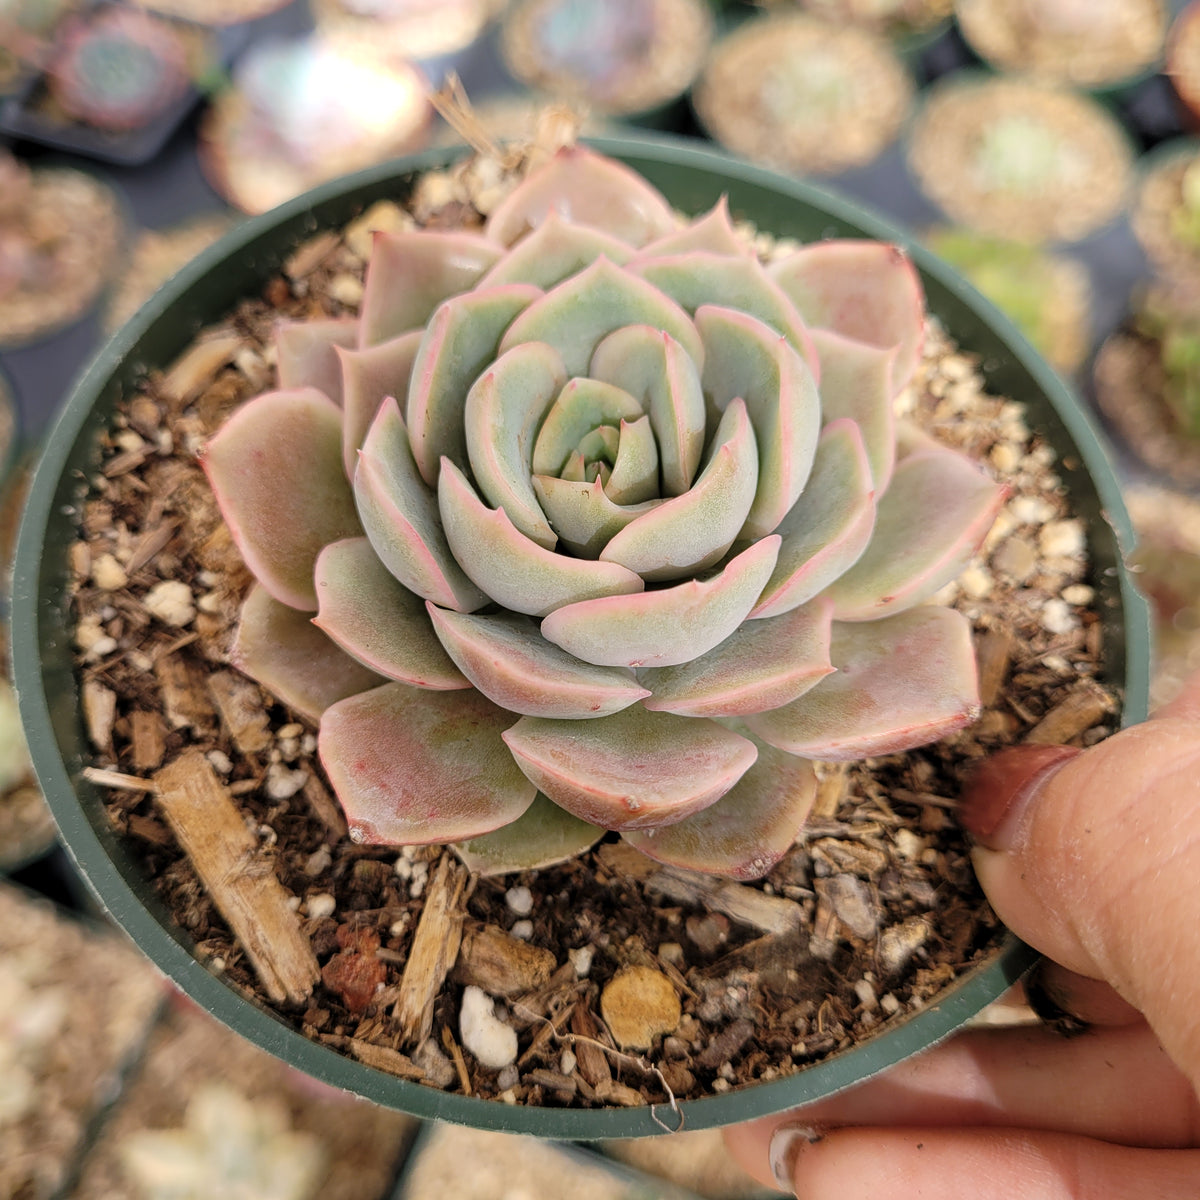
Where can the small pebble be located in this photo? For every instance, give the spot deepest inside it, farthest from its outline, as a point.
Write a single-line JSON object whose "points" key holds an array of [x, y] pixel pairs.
{"points": [[567, 1062], [1062, 539], [519, 901], [220, 761], [282, 783], [171, 602], [1057, 617], [108, 574], [581, 960], [975, 582], [671, 952], [489, 1039], [318, 861], [638, 1004]]}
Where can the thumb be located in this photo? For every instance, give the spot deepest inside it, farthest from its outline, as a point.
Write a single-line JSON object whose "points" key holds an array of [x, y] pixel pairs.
{"points": [[1093, 858]]}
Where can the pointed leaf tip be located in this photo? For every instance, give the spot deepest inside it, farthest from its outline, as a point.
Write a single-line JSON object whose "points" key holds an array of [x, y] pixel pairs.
{"points": [[586, 188]]}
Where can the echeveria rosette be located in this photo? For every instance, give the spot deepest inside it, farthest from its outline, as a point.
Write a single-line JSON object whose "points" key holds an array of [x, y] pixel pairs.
{"points": [[607, 526]]}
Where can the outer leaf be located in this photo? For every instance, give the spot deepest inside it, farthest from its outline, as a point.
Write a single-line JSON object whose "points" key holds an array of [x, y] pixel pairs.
{"points": [[746, 358], [276, 469], [459, 343], [413, 767], [862, 289], [856, 383], [510, 662], [664, 378], [542, 836], [739, 282], [830, 525], [367, 612], [504, 408], [691, 532], [745, 833], [583, 405], [400, 516], [510, 568], [667, 626], [284, 651], [582, 514], [761, 665], [633, 770], [412, 273], [901, 682], [555, 251], [928, 524], [712, 232], [368, 378], [575, 316], [306, 353], [588, 189]]}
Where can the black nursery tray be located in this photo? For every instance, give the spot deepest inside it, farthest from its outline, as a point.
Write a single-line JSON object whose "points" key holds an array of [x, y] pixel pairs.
{"points": [[29, 113]]}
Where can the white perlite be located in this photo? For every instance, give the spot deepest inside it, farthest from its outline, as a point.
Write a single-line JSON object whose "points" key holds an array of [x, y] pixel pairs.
{"points": [[492, 1042], [171, 602], [519, 901]]}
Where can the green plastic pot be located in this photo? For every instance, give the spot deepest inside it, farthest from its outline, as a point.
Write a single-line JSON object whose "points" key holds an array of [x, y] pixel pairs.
{"points": [[693, 179]]}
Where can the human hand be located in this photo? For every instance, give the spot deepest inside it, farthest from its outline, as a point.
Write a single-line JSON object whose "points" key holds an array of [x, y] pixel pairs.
{"points": [[1094, 859]]}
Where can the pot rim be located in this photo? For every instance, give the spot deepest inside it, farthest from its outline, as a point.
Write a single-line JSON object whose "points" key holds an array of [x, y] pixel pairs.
{"points": [[95, 849]]}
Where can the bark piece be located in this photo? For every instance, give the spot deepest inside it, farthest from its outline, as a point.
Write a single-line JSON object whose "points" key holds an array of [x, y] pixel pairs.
{"points": [[434, 950], [148, 736], [500, 964], [196, 368], [591, 1060], [184, 695], [749, 906], [223, 852], [384, 1058], [239, 702], [1085, 705], [831, 789], [325, 807], [994, 651]]}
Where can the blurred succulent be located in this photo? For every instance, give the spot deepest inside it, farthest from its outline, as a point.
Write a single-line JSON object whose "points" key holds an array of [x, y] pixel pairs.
{"points": [[572, 488], [1170, 316], [1185, 216], [118, 68], [227, 1147], [1020, 154], [1047, 296], [31, 1015]]}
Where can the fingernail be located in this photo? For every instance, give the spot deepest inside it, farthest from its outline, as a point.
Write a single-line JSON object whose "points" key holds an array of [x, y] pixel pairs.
{"points": [[1045, 997], [786, 1144], [1001, 787]]}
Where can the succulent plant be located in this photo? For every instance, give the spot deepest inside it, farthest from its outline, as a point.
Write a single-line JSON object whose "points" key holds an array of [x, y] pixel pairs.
{"points": [[118, 68], [227, 1147], [589, 546]]}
